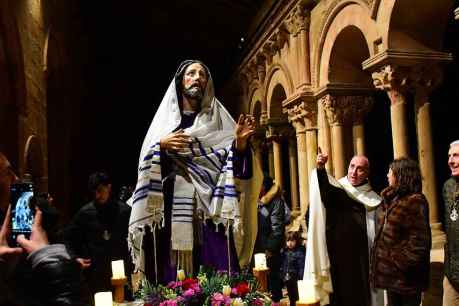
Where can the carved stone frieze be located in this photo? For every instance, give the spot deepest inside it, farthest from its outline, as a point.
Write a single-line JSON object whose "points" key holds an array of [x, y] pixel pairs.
{"points": [[268, 52], [261, 67]]}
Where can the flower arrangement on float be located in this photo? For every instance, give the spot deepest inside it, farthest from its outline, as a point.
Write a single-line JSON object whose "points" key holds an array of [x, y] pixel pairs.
{"points": [[209, 288]]}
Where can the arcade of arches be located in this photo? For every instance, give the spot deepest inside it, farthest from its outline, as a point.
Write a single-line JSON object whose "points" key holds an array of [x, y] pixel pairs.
{"points": [[354, 77], [373, 77]]}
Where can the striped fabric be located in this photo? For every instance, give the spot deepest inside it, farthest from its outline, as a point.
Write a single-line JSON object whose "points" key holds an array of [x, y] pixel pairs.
{"points": [[203, 181]]}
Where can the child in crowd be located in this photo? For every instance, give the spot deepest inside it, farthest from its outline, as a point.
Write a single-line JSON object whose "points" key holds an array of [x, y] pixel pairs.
{"points": [[292, 265]]}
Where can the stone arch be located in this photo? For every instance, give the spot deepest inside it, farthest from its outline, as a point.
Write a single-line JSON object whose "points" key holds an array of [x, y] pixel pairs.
{"points": [[401, 23], [34, 162], [346, 14], [256, 105], [13, 89], [279, 84], [345, 61]]}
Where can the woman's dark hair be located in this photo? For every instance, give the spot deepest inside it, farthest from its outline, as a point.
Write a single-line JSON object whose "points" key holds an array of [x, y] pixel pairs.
{"points": [[407, 175], [293, 236]]}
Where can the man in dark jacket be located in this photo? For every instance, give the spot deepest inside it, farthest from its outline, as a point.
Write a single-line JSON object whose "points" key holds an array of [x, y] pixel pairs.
{"points": [[53, 278], [451, 200], [270, 235], [97, 234]]}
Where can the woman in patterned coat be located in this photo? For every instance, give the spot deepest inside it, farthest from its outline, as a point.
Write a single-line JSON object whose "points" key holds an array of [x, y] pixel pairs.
{"points": [[401, 252]]}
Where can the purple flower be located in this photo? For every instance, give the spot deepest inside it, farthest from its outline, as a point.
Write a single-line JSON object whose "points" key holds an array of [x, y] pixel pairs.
{"points": [[196, 288], [173, 285], [169, 303], [188, 293], [257, 302], [219, 299]]}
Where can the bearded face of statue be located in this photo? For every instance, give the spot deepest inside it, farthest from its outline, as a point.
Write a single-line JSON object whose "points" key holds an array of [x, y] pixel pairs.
{"points": [[194, 81]]}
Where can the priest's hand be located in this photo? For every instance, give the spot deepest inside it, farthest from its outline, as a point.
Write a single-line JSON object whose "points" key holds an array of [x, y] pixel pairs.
{"points": [[322, 159], [245, 128], [175, 141]]}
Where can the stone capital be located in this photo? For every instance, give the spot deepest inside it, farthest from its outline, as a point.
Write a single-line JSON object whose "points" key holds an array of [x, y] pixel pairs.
{"points": [[277, 132], [456, 13], [299, 19], [391, 77], [361, 106], [397, 80], [425, 78], [338, 109], [303, 113]]}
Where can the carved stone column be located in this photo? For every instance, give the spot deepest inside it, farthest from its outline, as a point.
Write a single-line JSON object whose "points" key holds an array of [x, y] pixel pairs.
{"points": [[299, 27], [425, 80], [324, 136], [310, 115], [360, 108], [296, 117], [393, 80], [274, 136], [271, 160], [337, 110], [257, 141], [293, 166]]}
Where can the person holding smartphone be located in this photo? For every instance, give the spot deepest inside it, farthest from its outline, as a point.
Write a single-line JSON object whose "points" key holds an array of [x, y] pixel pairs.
{"points": [[55, 277]]}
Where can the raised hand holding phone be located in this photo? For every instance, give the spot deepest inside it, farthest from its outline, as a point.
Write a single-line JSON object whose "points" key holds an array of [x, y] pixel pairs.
{"points": [[5, 249], [38, 238]]}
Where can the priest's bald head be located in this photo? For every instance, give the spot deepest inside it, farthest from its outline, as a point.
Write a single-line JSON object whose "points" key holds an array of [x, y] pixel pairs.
{"points": [[358, 170]]}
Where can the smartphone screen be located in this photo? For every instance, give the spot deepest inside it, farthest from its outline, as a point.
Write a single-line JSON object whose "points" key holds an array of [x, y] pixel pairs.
{"points": [[22, 212]]}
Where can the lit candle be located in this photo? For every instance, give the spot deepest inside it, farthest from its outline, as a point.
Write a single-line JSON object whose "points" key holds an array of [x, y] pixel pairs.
{"points": [[103, 298], [118, 269], [226, 290], [260, 261], [181, 275], [307, 291]]}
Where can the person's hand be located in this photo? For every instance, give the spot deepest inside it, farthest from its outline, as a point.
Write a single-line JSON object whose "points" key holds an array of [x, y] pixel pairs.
{"points": [[245, 128], [5, 249], [175, 141], [84, 262], [38, 237], [322, 159]]}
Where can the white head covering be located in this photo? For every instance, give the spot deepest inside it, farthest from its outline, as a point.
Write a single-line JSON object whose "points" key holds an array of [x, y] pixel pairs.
{"points": [[168, 116]]}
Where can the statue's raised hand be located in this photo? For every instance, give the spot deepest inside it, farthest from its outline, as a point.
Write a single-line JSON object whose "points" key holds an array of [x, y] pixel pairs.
{"points": [[245, 128]]}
